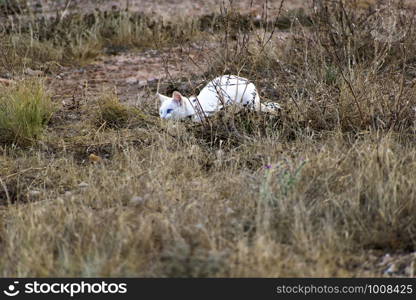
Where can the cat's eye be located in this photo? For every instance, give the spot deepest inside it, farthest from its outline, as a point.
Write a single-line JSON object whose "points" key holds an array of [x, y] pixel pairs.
{"points": [[168, 111]]}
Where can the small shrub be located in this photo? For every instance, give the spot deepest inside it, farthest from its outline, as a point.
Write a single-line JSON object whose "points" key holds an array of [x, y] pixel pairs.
{"points": [[25, 109], [115, 115], [233, 127]]}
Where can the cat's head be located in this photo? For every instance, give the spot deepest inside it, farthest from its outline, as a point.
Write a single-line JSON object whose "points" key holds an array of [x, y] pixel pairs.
{"points": [[173, 107]]}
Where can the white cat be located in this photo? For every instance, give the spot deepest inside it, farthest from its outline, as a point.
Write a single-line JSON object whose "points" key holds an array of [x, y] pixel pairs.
{"points": [[220, 92]]}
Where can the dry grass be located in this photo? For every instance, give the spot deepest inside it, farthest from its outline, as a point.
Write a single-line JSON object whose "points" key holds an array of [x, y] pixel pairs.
{"points": [[74, 38], [317, 190], [172, 206]]}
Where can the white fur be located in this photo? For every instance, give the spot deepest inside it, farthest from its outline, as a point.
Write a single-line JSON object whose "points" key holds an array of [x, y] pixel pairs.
{"points": [[220, 92]]}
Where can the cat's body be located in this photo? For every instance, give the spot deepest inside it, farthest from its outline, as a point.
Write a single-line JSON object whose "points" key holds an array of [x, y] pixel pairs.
{"points": [[222, 91]]}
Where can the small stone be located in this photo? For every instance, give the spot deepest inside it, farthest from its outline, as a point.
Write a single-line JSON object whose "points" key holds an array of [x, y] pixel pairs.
{"points": [[199, 226], [6, 75], [229, 211], [34, 193], [83, 185], [142, 83], [112, 68], [31, 72], [152, 81], [94, 158], [136, 200], [131, 80], [68, 194]]}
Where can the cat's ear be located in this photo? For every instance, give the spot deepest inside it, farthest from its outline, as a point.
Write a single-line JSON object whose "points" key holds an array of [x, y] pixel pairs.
{"points": [[177, 97], [163, 98]]}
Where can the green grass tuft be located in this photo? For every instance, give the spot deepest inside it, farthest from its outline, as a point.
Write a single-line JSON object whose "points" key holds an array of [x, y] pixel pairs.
{"points": [[25, 109]]}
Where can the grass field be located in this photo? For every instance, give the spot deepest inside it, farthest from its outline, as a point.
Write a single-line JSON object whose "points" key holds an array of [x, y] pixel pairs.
{"points": [[94, 183]]}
